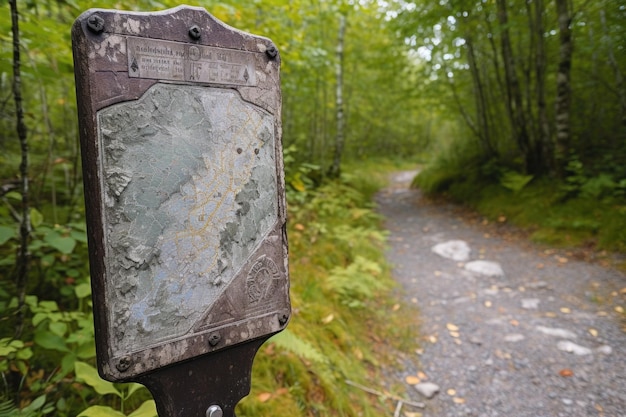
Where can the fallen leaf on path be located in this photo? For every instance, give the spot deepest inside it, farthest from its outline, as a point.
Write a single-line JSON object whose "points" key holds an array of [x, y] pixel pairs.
{"points": [[452, 327], [458, 400], [566, 373], [486, 235], [437, 273], [619, 309], [412, 380], [565, 310], [422, 375], [414, 300], [410, 414], [562, 260], [540, 266], [550, 314], [593, 332], [395, 307], [455, 334], [432, 339], [487, 304], [514, 322], [451, 392], [502, 219], [622, 291]]}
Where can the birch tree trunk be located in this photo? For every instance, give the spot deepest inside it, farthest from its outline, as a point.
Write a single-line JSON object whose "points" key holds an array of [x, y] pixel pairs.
{"points": [[23, 254], [563, 87], [335, 169]]}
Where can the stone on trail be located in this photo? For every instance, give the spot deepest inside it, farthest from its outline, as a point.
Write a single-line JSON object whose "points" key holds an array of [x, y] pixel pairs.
{"points": [[567, 346], [514, 337], [488, 268], [553, 331], [427, 389], [457, 250], [530, 303]]}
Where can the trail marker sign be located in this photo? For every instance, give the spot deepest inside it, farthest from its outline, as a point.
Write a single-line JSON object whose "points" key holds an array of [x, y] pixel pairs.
{"points": [[182, 157]]}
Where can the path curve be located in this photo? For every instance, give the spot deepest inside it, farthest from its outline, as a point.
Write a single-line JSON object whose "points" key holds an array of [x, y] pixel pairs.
{"points": [[509, 329]]}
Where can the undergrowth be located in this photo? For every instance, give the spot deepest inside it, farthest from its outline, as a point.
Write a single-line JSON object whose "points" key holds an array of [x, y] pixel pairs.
{"points": [[345, 321], [344, 326], [586, 209]]}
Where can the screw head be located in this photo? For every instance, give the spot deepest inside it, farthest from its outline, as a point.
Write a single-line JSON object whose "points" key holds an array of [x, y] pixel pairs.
{"points": [[123, 364], [95, 24], [214, 411], [195, 32], [271, 51], [214, 339], [283, 318]]}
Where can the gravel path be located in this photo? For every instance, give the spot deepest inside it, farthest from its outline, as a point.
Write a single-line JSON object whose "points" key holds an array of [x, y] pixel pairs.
{"points": [[508, 329]]}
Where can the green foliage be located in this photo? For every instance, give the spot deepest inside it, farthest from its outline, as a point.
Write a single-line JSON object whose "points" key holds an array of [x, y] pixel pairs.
{"points": [[357, 282]]}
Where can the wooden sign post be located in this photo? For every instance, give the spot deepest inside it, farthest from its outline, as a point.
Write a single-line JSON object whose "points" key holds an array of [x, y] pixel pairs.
{"points": [[182, 157]]}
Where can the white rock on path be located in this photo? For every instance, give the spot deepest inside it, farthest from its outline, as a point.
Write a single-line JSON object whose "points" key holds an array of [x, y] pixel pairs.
{"points": [[555, 331], [567, 346], [488, 268], [457, 250], [427, 389], [530, 303]]}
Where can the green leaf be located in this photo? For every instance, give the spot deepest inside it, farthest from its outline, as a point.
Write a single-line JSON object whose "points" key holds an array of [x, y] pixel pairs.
{"points": [[147, 409], [515, 181], [89, 375], [83, 290], [62, 244], [14, 195], [35, 405], [48, 340], [36, 218], [58, 328], [6, 233], [100, 411], [132, 388]]}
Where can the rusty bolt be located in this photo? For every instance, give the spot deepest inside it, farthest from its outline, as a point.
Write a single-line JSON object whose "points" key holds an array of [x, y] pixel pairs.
{"points": [[194, 32], [271, 51], [123, 364], [214, 339], [95, 24]]}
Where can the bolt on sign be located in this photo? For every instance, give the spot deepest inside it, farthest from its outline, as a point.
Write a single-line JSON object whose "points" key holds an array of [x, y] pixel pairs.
{"points": [[181, 142]]}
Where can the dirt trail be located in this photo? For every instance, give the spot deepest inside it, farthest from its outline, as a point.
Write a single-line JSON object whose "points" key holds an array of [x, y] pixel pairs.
{"points": [[508, 329]]}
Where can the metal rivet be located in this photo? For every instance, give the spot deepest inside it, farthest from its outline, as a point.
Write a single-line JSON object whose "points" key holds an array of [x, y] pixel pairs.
{"points": [[256, 151], [239, 150], [123, 364], [271, 51], [194, 32], [282, 318], [95, 24], [214, 411], [214, 339]]}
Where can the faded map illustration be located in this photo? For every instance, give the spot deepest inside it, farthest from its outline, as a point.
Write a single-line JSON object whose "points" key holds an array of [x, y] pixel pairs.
{"points": [[190, 184]]}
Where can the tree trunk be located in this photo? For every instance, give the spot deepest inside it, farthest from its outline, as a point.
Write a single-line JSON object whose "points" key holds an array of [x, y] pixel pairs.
{"points": [[543, 138], [23, 254], [563, 87], [335, 169], [484, 133], [514, 96], [619, 78]]}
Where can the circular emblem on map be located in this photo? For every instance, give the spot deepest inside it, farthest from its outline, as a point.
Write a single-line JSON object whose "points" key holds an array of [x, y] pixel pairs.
{"points": [[194, 53], [261, 278]]}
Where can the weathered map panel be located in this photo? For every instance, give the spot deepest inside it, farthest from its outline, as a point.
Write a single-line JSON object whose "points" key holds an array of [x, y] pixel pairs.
{"points": [[182, 159]]}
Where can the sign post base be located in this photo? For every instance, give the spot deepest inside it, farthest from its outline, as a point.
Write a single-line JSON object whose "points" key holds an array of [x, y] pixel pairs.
{"points": [[207, 386]]}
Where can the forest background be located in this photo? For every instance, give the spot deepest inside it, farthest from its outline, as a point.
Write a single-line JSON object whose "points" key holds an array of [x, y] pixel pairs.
{"points": [[514, 107]]}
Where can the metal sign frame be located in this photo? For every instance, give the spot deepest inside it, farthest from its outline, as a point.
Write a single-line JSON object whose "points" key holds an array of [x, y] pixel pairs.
{"points": [[120, 58]]}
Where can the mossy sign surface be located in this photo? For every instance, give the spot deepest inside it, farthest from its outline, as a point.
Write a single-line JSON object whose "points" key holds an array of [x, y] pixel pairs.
{"points": [[180, 133]]}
